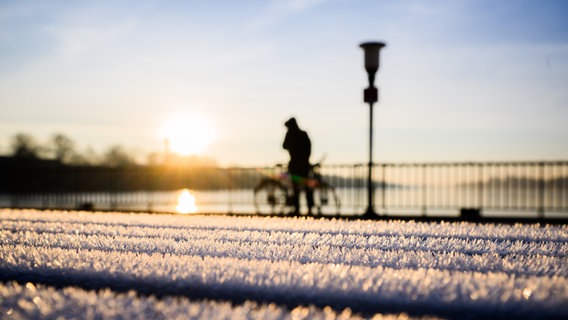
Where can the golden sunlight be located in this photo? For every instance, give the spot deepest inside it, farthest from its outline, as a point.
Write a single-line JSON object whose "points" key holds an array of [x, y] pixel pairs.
{"points": [[188, 135], [186, 202]]}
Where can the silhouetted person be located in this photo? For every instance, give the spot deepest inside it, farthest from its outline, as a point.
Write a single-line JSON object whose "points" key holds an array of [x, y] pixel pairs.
{"points": [[299, 146]]}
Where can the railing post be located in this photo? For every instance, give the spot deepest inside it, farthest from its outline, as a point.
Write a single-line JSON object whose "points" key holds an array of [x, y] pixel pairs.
{"points": [[481, 187], [384, 189], [541, 187], [230, 187], [424, 190]]}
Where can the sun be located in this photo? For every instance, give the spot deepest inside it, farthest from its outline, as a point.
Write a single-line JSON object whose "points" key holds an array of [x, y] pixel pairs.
{"points": [[186, 202], [188, 134]]}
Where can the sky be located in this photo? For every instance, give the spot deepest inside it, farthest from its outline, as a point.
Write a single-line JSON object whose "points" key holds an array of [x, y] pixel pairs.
{"points": [[467, 80]]}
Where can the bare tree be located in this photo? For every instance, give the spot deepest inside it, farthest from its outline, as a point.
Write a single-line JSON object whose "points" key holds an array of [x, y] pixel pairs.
{"points": [[116, 156], [62, 148], [154, 159], [25, 146], [86, 158]]}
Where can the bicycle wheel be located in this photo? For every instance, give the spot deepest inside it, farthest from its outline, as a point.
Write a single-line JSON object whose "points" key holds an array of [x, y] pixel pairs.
{"points": [[270, 197], [326, 200]]}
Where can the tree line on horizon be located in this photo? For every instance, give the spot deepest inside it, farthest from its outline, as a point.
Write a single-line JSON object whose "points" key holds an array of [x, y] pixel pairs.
{"points": [[58, 167], [63, 150]]}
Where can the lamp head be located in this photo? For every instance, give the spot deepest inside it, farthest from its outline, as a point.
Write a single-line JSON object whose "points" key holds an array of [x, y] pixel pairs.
{"points": [[372, 50]]}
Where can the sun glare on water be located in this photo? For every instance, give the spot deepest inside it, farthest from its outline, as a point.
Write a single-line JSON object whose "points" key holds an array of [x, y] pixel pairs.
{"points": [[188, 134], [186, 202]]}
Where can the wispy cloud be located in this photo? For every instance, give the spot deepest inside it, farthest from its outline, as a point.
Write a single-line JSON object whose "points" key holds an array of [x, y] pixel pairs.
{"points": [[83, 31], [279, 10]]}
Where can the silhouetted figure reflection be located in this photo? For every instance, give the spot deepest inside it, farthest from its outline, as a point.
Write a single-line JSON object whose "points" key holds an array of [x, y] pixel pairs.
{"points": [[299, 146]]}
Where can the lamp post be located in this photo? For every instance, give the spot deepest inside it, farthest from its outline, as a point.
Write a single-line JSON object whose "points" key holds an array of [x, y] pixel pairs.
{"points": [[371, 95]]}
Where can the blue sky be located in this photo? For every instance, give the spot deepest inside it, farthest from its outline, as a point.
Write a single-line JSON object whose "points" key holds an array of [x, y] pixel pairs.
{"points": [[459, 80]]}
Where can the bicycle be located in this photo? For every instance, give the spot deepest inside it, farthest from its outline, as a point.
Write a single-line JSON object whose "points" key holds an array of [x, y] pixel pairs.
{"points": [[274, 195]]}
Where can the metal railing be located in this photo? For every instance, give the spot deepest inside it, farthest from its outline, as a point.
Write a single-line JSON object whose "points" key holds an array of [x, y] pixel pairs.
{"points": [[490, 187], [512, 188]]}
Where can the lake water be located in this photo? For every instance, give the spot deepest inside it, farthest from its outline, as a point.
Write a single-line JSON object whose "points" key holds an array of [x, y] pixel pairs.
{"points": [[392, 201]]}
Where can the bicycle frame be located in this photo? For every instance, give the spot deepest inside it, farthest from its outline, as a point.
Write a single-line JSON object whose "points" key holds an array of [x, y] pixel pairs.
{"points": [[276, 192]]}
